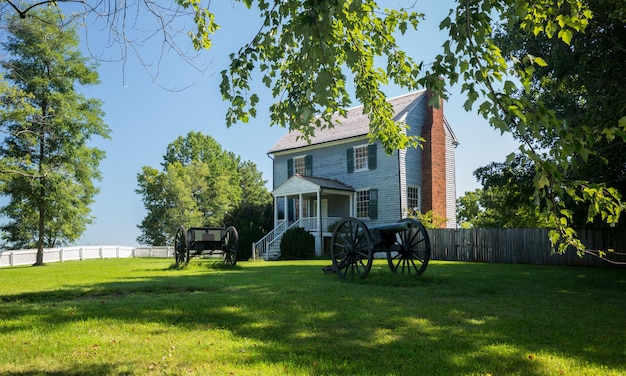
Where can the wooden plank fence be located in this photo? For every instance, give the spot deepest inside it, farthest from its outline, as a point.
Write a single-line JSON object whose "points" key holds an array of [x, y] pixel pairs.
{"points": [[29, 256], [522, 246]]}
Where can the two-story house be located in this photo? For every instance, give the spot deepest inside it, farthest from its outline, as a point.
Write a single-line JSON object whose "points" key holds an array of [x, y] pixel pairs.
{"points": [[338, 174]]}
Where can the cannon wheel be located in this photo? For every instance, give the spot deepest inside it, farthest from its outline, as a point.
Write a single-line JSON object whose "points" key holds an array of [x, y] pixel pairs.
{"points": [[413, 250], [230, 245], [181, 247], [351, 249]]}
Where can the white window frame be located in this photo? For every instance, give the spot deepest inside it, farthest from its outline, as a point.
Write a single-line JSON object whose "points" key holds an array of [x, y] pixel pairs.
{"points": [[409, 199], [364, 159], [299, 161], [362, 206]]}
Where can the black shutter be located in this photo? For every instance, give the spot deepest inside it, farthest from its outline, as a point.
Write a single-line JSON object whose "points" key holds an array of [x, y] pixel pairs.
{"points": [[308, 165], [290, 212], [350, 158], [371, 156], [373, 207], [289, 167]]}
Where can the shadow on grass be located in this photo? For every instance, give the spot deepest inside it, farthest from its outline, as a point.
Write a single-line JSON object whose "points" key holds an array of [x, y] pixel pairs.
{"points": [[456, 319]]}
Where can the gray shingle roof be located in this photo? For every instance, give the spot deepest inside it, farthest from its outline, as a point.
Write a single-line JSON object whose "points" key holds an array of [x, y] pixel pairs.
{"points": [[355, 124], [327, 183]]}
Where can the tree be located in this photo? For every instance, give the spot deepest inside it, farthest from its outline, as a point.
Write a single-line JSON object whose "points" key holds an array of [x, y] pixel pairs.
{"points": [[253, 221], [505, 199], [48, 168], [307, 51], [200, 185], [468, 208], [326, 39], [584, 84]]}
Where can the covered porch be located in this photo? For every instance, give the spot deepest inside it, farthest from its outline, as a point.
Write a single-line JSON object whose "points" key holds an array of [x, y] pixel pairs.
{"points": [[314, 204]]}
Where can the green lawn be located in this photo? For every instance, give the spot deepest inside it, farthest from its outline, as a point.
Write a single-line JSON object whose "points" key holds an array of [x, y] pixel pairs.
{"points": [[142, 316]]}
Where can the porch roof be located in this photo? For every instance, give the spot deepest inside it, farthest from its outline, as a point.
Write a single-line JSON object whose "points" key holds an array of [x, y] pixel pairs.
{"points": [[298, 184]]}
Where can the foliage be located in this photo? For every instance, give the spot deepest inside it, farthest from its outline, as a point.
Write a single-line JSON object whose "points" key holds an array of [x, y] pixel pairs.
{"points": [[584, 85], [253, 221], [297, 244], [304, 61], [428, 219], [506, 199], [200, 185], [309, 77], [307, 51], [48, 169], [468, 208]]}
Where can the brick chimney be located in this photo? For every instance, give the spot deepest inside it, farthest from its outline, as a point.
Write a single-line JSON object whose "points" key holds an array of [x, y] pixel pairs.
{"points": [[434, 161]]}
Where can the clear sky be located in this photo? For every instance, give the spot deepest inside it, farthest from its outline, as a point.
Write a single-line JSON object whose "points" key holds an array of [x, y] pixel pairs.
{"points": [[144, 117]]}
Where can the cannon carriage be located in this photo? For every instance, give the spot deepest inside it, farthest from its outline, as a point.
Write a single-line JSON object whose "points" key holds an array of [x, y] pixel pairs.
{"points": [[213, 241], [353, 246]]}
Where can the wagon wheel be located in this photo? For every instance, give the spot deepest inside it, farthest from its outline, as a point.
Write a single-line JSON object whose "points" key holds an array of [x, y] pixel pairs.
{"points": [[230, 245], [351, 249], [413, 247], [181, 247]]}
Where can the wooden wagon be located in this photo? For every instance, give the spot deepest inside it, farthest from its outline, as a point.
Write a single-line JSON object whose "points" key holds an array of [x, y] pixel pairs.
{"points": [[197, 241]]}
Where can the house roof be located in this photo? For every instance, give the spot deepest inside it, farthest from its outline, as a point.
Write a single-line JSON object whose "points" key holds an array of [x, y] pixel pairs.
{"points": [[355, 124], [307, 184], [328, 183]]}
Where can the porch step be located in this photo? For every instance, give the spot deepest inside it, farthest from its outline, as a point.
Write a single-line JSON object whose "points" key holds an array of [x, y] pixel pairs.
{"points": [[273, 253]]}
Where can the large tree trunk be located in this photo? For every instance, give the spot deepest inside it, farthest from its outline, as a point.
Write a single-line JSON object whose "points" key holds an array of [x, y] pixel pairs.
{"points": [[41, 237], [42, 200]]}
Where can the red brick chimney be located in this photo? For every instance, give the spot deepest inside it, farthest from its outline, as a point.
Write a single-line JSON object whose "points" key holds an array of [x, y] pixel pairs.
{"points": [[434, 161]]}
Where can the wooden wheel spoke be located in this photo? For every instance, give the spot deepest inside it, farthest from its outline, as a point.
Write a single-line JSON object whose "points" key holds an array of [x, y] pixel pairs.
{"points": [[351, 246]]}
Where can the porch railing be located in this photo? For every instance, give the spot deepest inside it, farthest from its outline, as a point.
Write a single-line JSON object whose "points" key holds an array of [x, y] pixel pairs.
{"points": [[271, 241], [311, 223]]}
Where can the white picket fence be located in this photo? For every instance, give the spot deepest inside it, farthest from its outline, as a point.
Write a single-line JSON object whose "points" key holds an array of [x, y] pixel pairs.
{"points": [[29, 256]]}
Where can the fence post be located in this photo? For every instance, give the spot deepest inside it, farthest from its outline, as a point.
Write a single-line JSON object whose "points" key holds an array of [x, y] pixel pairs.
{"points": [[11, 259], [100, 252], [80, 254]]}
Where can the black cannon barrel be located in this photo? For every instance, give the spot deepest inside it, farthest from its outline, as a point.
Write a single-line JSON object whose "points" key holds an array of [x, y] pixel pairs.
{"points": [[392, 228]]}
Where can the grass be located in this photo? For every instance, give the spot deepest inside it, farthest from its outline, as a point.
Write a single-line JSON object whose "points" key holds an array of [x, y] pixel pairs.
{"points": [[142, 316]]}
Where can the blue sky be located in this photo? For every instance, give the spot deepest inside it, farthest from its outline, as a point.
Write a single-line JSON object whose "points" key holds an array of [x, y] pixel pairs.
{"points": [[144, 117]]}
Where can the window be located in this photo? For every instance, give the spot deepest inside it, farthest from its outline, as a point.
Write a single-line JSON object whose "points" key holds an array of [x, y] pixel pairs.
{"points": [[413, 199], [360, 158], [362, 204], [299, 166], [302, 166], [305, 209], [367, 204]]}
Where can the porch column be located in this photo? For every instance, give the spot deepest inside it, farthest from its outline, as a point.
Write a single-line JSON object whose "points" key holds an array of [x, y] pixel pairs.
{"points": [[352, 213], [286, 214], [275, 211], [300, 206], [319, 251]]}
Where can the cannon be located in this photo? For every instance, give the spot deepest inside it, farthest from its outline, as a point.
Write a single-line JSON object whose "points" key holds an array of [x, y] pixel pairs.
{"points": [[198, 241], [353, 246]]}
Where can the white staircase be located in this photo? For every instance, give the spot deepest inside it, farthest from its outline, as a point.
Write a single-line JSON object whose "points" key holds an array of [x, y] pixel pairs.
{"points": [[268, 248]]}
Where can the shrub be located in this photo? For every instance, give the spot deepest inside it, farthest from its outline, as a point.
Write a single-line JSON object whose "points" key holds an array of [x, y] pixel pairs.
{"points": [[297, 244]]}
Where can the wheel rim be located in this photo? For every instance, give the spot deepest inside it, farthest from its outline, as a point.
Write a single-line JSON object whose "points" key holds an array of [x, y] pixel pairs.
{"points": [[351, 249], [180, 246], [230, 246], [413, 250]]}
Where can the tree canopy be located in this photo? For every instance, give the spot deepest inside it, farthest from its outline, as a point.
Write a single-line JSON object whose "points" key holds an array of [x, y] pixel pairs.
{"points": [[200, 184], [307, 52], [505, 199], [47, 166]]}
